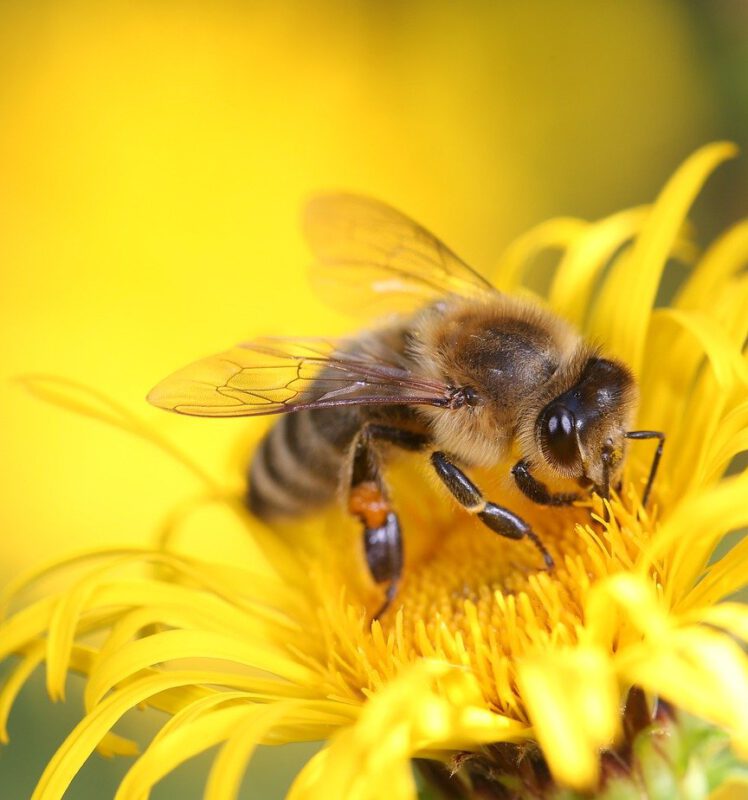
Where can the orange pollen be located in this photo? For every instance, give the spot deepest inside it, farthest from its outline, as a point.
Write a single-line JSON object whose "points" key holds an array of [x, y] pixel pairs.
{"points": [[367, 502]]}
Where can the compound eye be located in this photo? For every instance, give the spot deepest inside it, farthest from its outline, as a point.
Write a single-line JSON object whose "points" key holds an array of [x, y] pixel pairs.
{"points": [[559, 437]]}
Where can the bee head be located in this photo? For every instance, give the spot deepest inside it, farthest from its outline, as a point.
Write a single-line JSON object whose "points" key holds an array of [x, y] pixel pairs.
{"points": [[581, 433]]}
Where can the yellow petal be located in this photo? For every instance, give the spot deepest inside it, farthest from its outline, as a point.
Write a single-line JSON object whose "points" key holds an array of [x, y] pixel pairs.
{"points": [[15, 682], [572, 698], [587, 255], [182, 744], [732, 617], [733, 788], [115, 745], [625, 596], [726, 256], [177, 644], [699, 392], [306, 785], [621, 314], [92, 729], [554, 234], [698, 670], [431, 705], [713, 342], [225, 777], [730, 438], [693, 529], [25, 626], [724, 577]]}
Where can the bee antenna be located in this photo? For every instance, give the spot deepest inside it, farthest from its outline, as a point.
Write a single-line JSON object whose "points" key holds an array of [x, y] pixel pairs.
{"points": [[655, 460]]}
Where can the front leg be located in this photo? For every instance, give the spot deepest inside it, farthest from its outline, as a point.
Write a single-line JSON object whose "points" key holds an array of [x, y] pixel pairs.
{"points": [[499, 519], [538, 492]]}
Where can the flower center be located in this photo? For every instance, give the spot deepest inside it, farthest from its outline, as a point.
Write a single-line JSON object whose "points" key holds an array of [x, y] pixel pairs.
{"points": [[471, 597]]}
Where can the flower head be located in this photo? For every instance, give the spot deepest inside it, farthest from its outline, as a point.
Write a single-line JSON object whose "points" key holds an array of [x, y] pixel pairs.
{"points": [[481, 646]]}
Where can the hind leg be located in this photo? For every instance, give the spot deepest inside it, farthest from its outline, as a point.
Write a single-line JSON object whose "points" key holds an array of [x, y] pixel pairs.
{"points": [[383, 547], [368, 500]]}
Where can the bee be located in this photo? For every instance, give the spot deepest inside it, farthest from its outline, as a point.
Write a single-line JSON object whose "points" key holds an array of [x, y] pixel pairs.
{"points": [[464, 373]]}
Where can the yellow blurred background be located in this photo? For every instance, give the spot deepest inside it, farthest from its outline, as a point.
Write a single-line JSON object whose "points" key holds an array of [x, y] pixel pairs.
{"points": [[154, 158]]}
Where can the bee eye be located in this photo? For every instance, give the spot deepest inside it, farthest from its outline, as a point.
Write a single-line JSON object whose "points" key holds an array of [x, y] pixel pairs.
{"points": [[558, 436], [471, 396]]}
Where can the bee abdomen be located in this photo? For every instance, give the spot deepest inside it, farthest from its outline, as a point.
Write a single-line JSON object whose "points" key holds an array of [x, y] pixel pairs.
{"points": [[298, 464]]}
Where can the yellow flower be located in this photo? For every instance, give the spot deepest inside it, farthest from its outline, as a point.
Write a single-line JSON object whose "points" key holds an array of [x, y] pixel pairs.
{"points": [[479, 647]]}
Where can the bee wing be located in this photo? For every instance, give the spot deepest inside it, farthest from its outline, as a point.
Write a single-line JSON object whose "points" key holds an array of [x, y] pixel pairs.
{"points": [[370, 256], [273, 376]]}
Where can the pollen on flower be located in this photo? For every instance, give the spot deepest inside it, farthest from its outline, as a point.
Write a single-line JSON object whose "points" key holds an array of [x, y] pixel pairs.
{"points": [[481, 601]]}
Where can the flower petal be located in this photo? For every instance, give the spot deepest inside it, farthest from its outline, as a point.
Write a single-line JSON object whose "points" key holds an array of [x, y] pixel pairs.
{"points": [[177, 644], [727, 255], [700, 671], [731, 617], [227, 772], [15, 682], [572, 698], [587, 254], [621, 314], [554, 234], [724, 577], [432, 705], [690, 533], [93, 728]]}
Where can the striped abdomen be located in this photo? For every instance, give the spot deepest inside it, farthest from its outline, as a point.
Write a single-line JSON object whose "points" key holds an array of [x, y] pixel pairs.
{"points": [[298, 465]]}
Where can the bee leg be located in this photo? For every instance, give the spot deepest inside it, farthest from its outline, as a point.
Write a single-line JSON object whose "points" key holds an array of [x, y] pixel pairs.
{"points": [[660, 436], [538, 492], [383, 547], [499, 519], [368, 501]]}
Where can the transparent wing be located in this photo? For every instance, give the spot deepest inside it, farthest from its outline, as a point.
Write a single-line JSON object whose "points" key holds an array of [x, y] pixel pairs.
{"points": [[372, 257], [273, 376]]}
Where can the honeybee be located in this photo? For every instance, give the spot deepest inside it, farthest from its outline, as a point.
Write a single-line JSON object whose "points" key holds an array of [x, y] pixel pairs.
{"points": [[467, 374]]}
